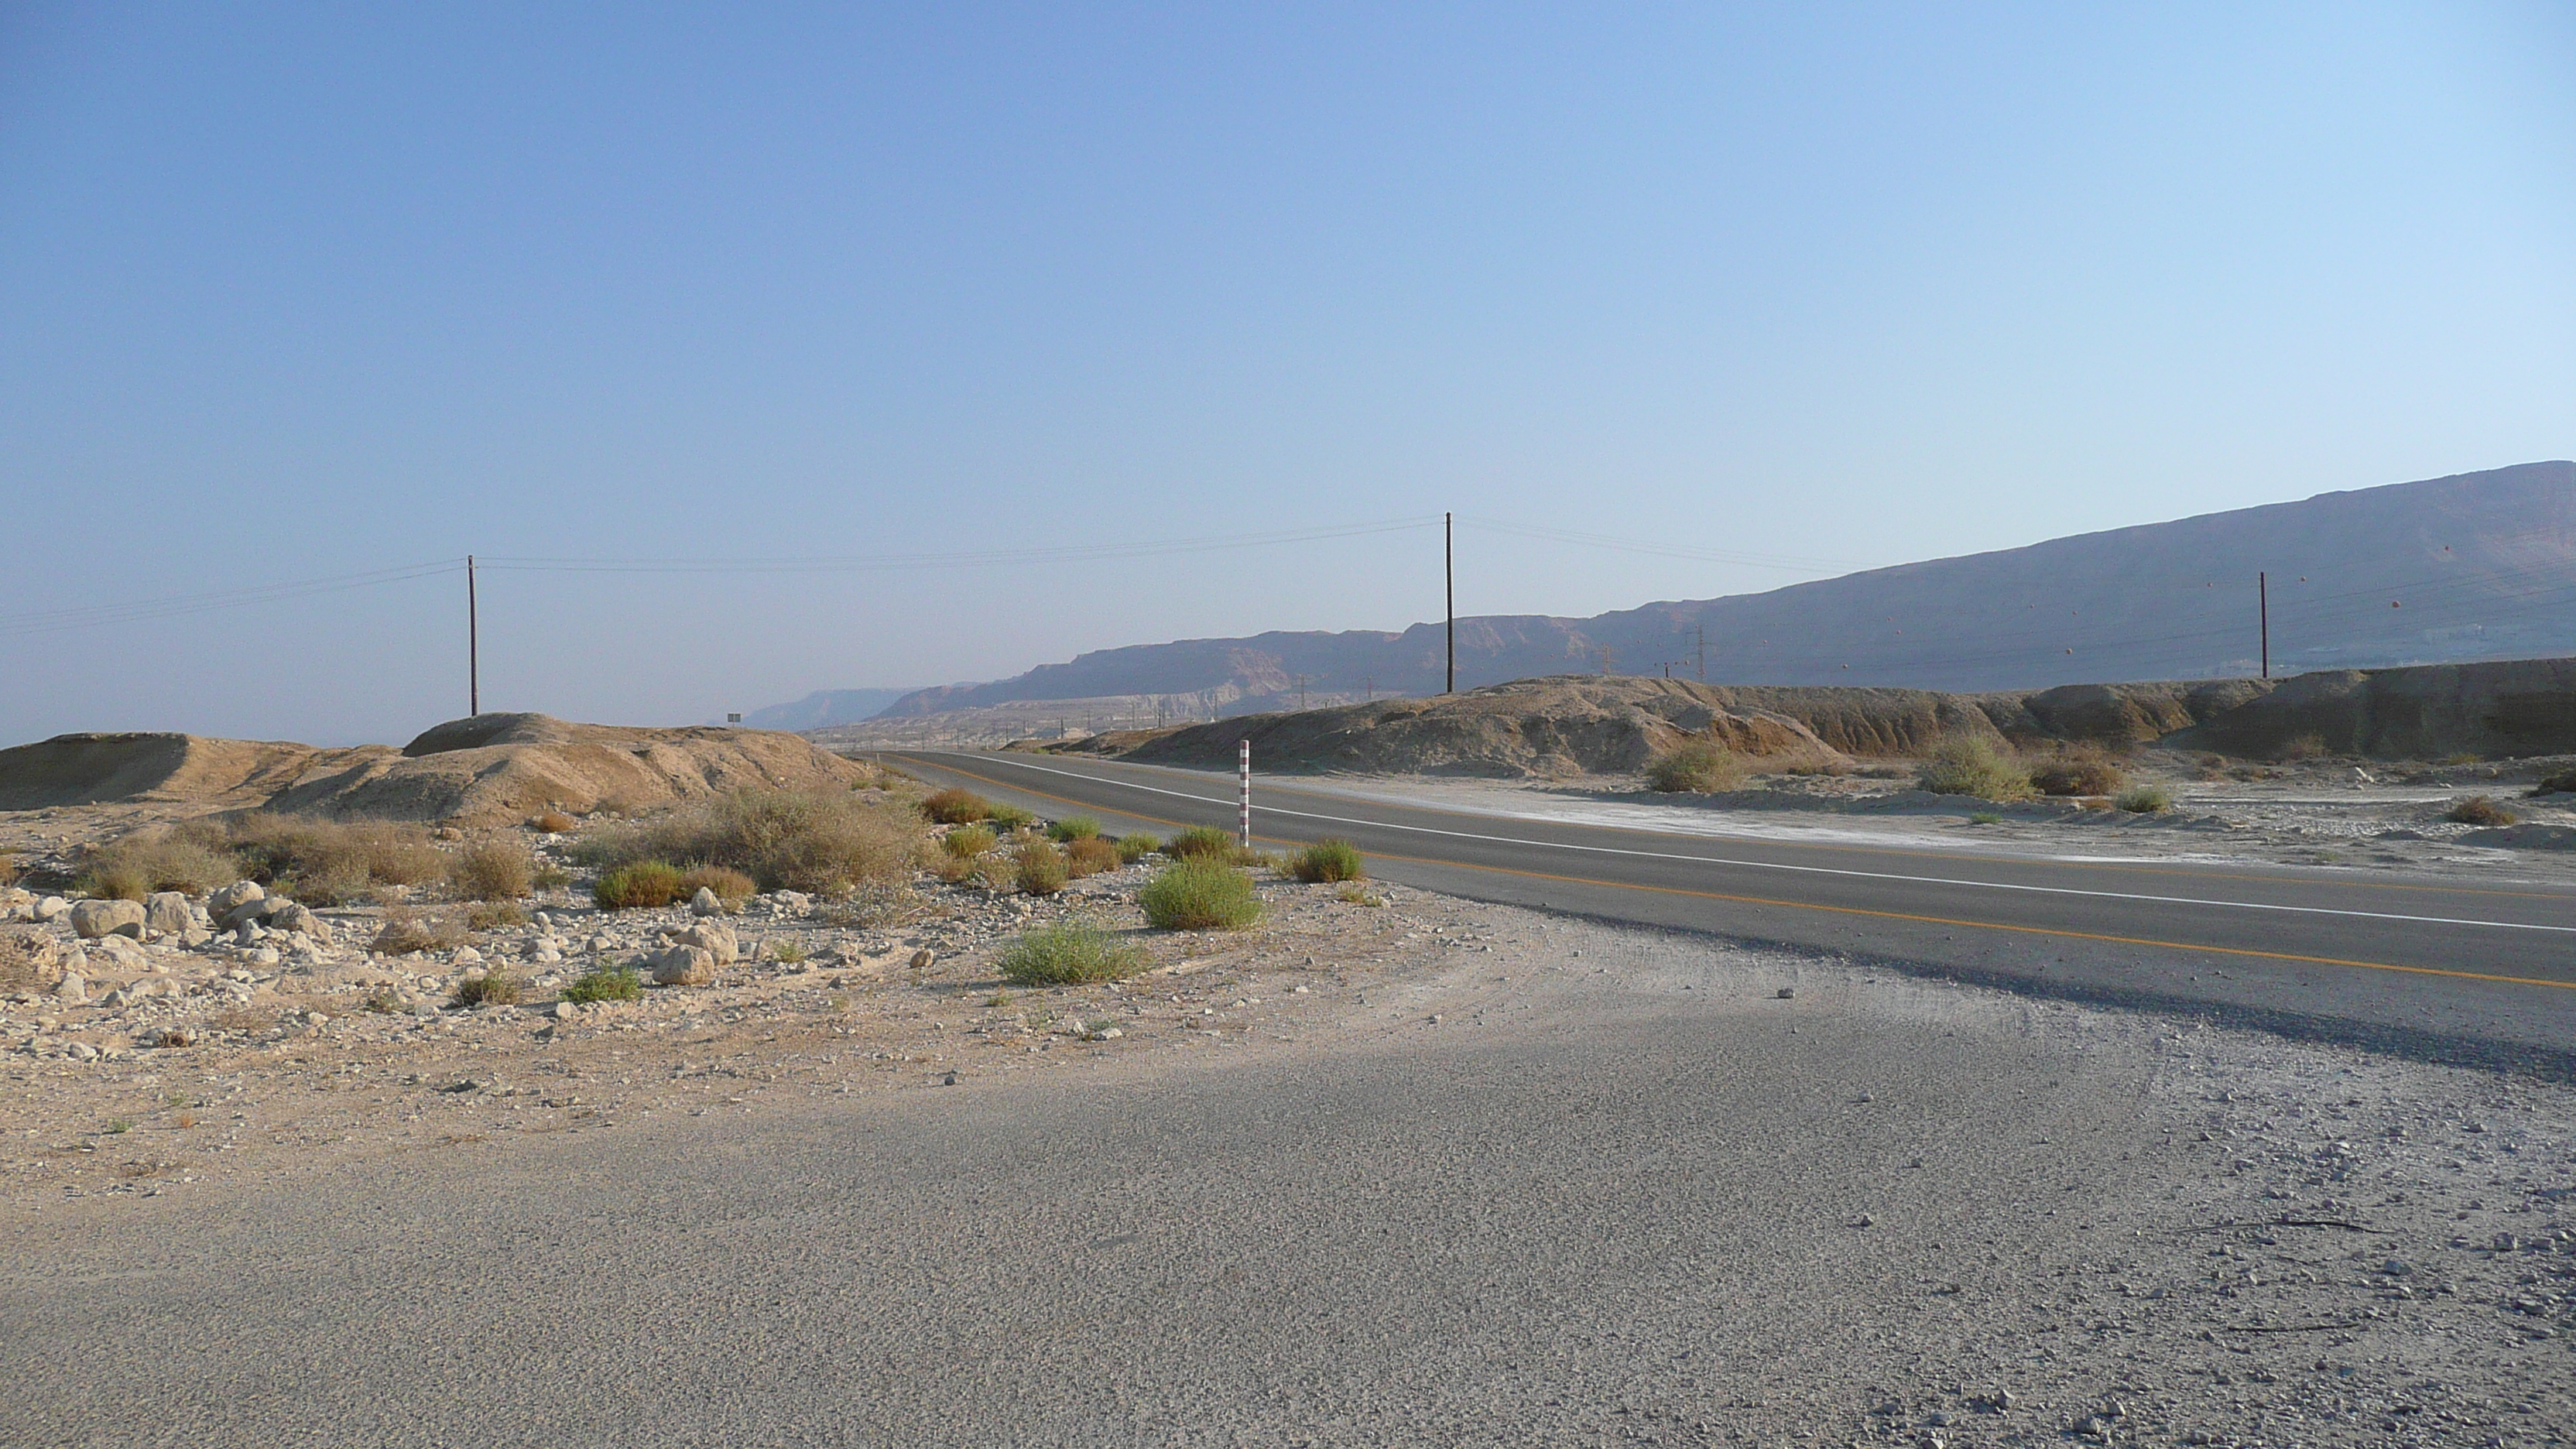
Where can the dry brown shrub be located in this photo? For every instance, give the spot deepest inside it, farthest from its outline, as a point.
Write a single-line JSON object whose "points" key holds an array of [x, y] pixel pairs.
{"points": [[195, 857], [327, 862], [492, 871], [731, 886], [493, 915], [2480, 810], [1090, 856], [495, 987], [553, 822], [956, 807], [406, 933], [1038, 867], [2079, 771], [2305, 747], [823, 843]]}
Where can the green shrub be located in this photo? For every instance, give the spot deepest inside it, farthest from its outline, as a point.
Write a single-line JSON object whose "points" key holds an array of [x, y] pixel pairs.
{"points": [[1067, 955], [2480, 810], [605, 983], [1133, 848], [953, 806], [1984, 817], [1359, 895], [1967, 765], [1039, 868], [2144, 799], [1090, 856], [731, 886], [1201, 842], [550, 877], [1011, 817], [1327, 860], [490, 872], [1698, 767], [1072, 828], [2078, 773], [492, 988], [1200, 894], [645, 885], [967, 842]]}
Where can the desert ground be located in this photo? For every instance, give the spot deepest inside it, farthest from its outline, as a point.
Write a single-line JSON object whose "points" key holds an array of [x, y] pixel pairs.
{"points": [[1521, 1178]]}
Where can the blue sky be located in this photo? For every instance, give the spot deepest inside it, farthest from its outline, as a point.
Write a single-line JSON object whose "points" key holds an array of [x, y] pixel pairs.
{"points": [[299, 292]]}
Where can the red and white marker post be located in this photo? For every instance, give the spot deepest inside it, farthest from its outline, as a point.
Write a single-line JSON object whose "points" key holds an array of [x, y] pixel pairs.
{"points": [[1243, 792]]}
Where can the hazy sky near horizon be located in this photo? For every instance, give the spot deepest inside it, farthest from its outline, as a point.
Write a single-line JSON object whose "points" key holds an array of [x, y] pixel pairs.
{"points": [[296, 292]]}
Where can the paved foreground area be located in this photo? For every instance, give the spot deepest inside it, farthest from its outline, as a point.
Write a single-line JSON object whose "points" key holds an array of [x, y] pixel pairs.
{"points": [[1594, 1186]]}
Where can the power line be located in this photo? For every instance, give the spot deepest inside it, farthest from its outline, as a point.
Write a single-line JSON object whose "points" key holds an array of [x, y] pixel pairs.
{"points": [[1785, 562], [856, 563], [172, 606]]}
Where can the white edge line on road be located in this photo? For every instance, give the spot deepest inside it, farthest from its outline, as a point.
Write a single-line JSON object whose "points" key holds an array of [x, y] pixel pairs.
{"points": [[1990, 885]]}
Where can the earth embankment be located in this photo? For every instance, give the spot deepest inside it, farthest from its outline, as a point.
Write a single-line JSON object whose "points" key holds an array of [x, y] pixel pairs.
{"points": [[1592, 724], [487, 769]]}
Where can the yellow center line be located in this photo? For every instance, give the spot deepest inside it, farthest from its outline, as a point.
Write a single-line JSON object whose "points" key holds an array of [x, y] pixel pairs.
{"points": [[1839, 910]]}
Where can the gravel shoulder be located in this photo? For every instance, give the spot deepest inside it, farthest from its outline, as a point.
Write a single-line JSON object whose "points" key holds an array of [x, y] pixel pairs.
{"points": [[1489, 1176]]}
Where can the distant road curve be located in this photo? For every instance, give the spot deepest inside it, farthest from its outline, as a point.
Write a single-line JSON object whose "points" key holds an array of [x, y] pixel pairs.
{"points": [[2434, 969]]}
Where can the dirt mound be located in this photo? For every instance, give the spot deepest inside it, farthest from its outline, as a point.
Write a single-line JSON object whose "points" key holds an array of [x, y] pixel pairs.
{"points": [[92, 769], [2501, 710], [488, 769], [1574, 724]]}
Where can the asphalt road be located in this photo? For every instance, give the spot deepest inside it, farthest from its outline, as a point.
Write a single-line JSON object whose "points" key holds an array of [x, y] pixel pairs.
{"points": [[2444, 970]]}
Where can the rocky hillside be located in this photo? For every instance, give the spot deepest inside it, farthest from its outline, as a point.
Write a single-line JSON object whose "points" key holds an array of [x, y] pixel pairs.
{"points": [[2477, 566], [489, 769]]}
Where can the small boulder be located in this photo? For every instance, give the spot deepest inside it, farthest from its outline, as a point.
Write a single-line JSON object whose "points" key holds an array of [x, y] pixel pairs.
{"points": [[71, 988], [794, 903], [922, 958], [123, 952], [228, 899], [52, 908], [681, 966], [295, 916], [714, 937], [706, 903], [93, 919], [169, 913]]}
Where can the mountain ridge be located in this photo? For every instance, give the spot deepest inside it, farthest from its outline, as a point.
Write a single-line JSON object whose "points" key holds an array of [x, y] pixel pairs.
{"points": [[2485, 561]]}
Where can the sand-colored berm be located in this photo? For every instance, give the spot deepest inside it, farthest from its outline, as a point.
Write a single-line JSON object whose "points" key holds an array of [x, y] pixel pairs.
{"points": [[489, 769]]}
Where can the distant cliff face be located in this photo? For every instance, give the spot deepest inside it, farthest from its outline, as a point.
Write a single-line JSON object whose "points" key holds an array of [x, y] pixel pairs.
{"points": [[2477, 566]]}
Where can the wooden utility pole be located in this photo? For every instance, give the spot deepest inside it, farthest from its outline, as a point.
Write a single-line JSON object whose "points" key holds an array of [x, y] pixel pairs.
{"points": [[1449, 578], [473, 645], [2263, 612]]}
